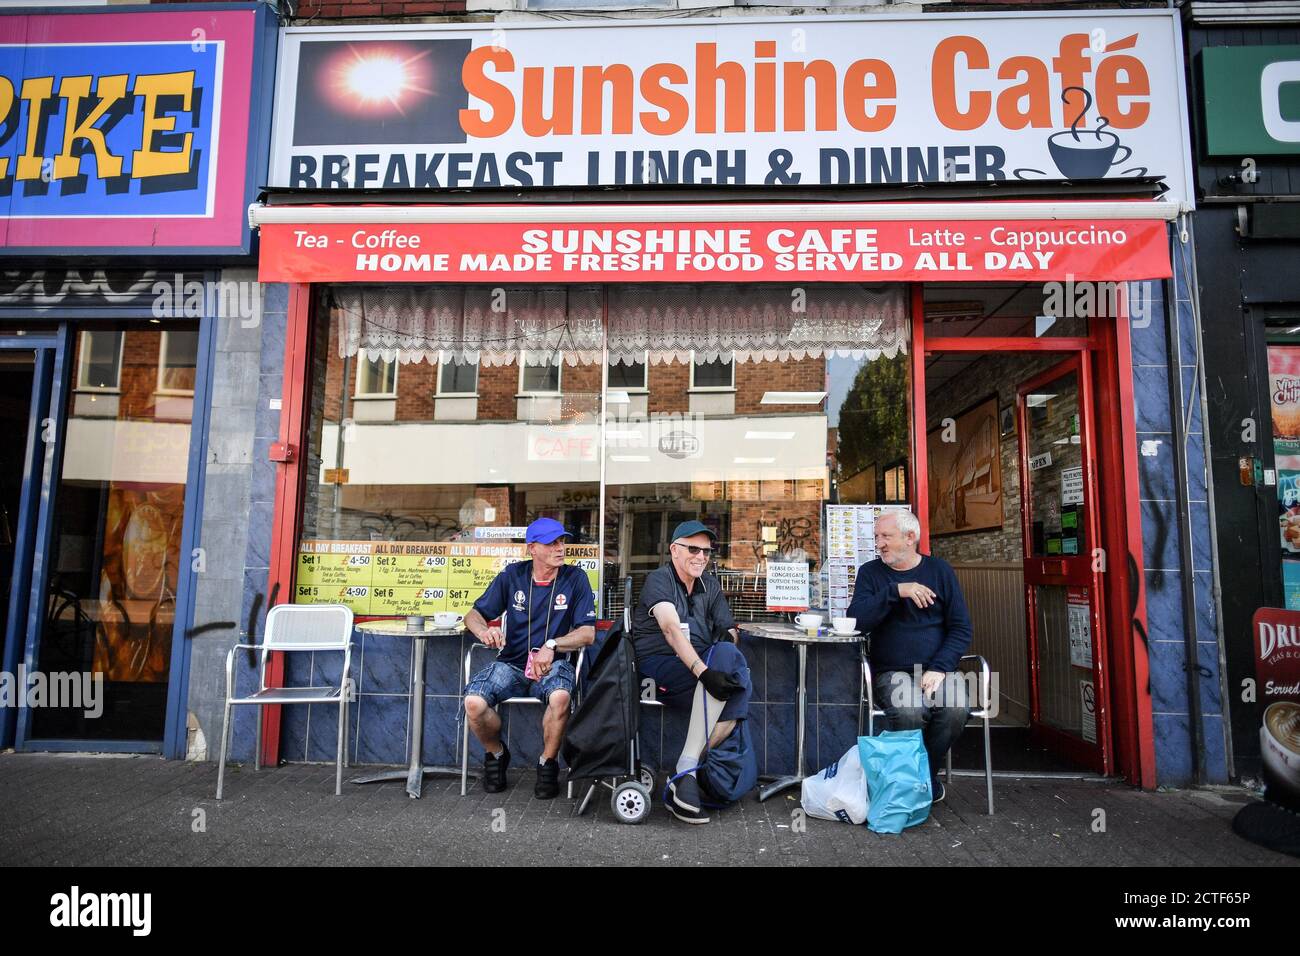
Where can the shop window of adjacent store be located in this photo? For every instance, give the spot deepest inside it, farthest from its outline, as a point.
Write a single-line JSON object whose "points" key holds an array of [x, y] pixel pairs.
{"points": [[116, 559], [386, 502], [176, 374], [99, 372]]}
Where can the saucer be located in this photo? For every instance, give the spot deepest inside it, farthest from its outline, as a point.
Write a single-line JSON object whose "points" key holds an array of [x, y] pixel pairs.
{"points": [[831, 632]]}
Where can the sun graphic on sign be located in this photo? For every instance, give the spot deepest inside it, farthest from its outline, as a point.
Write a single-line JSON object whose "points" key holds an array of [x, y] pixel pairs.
{"points": [[369, 77]]}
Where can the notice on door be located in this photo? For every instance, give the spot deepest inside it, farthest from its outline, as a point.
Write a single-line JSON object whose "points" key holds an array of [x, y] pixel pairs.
{"points": [[1079, 616], [1088, 702], [1072, 486]]}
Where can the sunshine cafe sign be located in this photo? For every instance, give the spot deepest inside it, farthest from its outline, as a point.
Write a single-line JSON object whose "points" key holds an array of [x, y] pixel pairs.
{"points": [[788, 101]]}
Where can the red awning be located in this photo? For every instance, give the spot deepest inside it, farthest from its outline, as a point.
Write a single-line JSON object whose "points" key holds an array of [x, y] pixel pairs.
{"points": [[914, 242]]}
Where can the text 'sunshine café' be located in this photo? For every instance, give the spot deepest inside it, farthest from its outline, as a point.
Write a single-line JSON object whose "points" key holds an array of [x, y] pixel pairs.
{"points": [[773, 275]]}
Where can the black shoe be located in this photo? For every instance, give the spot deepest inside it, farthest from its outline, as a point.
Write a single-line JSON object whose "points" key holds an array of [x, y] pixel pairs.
{"points": [[548, 780], [684, 800], [494, 771], [937, 792]]}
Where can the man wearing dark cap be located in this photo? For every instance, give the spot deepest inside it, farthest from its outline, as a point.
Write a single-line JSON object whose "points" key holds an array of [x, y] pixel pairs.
{"points": [[685, 636], [548, 611]]}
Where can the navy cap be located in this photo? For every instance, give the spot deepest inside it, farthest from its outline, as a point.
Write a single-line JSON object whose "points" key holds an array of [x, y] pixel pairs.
{"points": [[688, 528], [545, 531]]}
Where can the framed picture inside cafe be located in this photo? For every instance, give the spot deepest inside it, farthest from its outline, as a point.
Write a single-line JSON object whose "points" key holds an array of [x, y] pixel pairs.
{"points": [[965, 471]]}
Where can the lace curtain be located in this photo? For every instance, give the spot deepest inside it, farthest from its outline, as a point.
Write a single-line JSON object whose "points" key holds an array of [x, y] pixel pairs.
{"points": [[662, 322]]}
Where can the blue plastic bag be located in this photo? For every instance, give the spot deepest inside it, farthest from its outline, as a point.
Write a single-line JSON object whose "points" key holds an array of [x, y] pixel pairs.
{"points": [[898, 780]]}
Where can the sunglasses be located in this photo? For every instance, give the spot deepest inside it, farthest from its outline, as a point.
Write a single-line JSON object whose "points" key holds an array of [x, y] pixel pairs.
{"points": [[694, 549]]}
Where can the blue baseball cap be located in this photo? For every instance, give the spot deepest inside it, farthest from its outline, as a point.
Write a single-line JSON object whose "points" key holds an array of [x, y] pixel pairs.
{"points": [[545, 531], [688, 528]]}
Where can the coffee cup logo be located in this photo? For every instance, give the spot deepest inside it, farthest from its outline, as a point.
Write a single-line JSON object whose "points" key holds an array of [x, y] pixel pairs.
{"points": [[1083, 153], [1280, 744]]}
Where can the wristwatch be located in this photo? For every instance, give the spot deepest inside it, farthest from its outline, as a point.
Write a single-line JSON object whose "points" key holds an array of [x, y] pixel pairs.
{"points": [[550, 645]]}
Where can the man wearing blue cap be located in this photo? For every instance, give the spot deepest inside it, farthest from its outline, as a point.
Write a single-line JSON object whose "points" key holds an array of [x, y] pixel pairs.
{"points": [[685, 636], [548, 611]]}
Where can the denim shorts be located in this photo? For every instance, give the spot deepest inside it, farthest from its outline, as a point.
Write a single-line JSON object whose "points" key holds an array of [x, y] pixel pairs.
{"points": [[499, 681]]}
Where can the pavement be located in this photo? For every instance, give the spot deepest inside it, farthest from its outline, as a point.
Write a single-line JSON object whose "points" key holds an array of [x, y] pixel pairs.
{"points": [[102, 810]]}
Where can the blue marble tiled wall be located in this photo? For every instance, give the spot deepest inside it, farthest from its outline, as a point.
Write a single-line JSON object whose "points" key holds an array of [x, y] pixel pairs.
{"points": [[261, 505], [378, 731], [1158, 478]]}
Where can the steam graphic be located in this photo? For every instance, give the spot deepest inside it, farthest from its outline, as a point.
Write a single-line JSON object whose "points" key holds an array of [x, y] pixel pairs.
{"points": [[1084, 153]]}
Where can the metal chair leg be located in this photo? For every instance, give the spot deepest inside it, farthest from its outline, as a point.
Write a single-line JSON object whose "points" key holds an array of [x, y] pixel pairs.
{"points": [[947, 773], [464, 748], [257, 740], [225, 744], [988, 762], [338, 757]]}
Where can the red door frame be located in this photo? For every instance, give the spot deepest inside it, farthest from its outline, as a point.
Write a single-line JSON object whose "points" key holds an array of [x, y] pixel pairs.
{"points": [[295, 403], [1078, 570], [1109, 349]]}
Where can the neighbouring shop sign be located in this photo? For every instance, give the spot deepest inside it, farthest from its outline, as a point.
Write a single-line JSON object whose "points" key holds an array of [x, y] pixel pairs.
{"points": [[133, 132], [383, 578], [829, 100], [1252, 100], [1277, 671], [876, 251]]}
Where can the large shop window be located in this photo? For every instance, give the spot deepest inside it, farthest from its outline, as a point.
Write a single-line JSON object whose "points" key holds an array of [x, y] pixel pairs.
{"points": [[753, 408], [120, 501]]}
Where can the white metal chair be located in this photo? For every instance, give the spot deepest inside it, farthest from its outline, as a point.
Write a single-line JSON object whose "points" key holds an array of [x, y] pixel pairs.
{"points": [[293, 628], [469, 672], [982, 713]]}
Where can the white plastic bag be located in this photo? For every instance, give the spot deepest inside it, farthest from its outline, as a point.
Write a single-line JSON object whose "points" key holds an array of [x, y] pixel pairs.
{"points": [[839, 792]]}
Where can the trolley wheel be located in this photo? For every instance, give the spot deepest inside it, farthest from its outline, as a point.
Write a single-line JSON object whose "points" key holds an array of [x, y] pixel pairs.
{"points": [[630, 802], [647, 778]]}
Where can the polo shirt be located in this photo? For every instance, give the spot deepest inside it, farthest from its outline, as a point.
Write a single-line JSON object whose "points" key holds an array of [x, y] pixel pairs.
{"points": [[567, 598], [704, 608]]}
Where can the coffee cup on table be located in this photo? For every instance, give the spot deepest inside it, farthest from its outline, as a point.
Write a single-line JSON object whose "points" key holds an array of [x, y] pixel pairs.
{"points": [[447, 618], [843, 625], [810, 622]]}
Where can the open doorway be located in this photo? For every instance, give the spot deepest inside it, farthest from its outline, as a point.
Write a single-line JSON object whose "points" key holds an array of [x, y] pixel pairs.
{"points": [[1014, 506], [19, 371]]}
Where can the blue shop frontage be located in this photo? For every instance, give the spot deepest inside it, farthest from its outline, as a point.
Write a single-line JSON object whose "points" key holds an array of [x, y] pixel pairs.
{"points": [[127, 253]]}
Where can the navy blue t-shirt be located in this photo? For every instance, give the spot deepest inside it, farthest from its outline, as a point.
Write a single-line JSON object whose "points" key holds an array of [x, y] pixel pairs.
{"points": [[568, 598], [902, 634]]}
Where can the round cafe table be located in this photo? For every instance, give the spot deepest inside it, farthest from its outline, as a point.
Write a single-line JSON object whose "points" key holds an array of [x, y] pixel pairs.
{"points": [[415, 771], [801, 640]]}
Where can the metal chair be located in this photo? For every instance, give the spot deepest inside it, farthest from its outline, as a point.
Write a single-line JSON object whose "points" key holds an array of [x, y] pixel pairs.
{"points": [[469, 672], [293, 628], [982, 713]]}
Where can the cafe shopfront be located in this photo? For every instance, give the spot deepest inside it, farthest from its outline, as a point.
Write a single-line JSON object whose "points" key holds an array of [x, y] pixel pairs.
{"points": [[784, 364]]}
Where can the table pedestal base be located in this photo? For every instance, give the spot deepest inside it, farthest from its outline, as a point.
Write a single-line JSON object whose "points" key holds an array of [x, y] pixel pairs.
{"points": [[779, 785], [414, 777]]}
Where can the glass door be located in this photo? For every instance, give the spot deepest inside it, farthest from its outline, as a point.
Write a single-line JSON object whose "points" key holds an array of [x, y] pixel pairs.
{"points": [[1063, 563], [109, 552]]}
